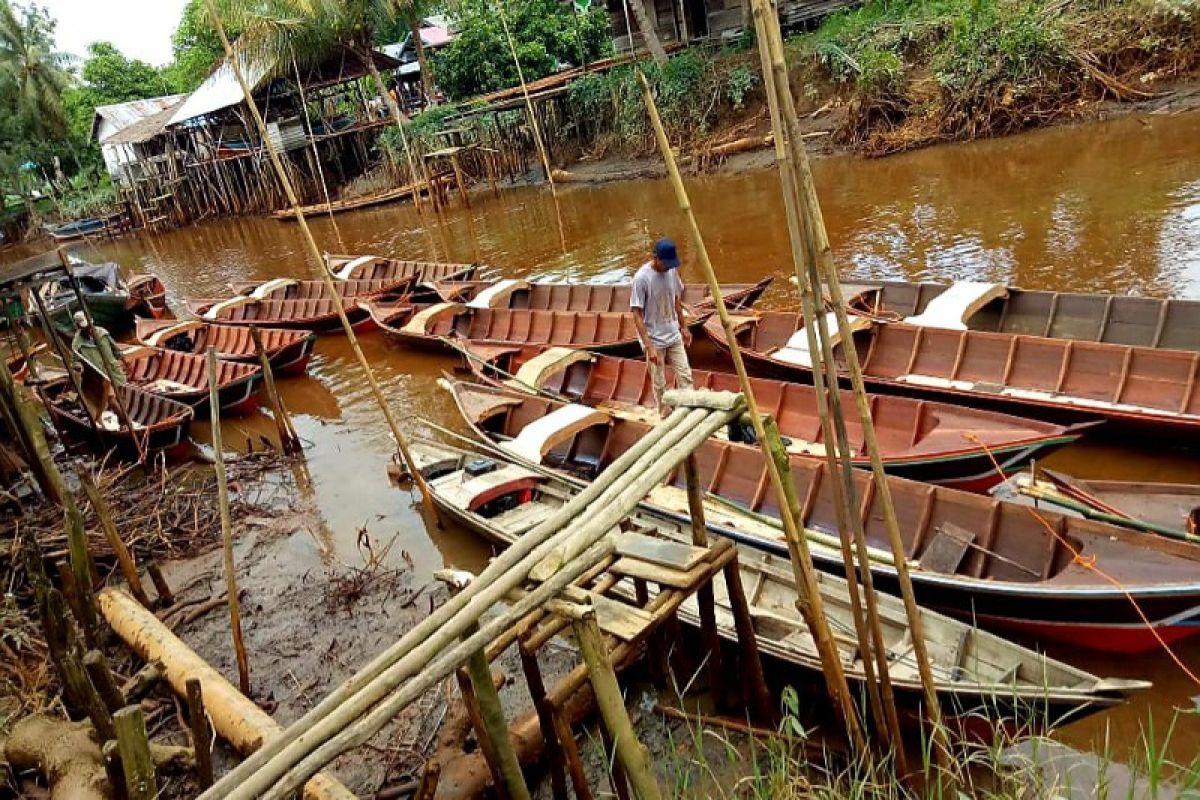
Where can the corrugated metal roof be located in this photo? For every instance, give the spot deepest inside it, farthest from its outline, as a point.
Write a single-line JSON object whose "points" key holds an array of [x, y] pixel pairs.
{"points": [[122, 115], [221, 89], [145, 129]]}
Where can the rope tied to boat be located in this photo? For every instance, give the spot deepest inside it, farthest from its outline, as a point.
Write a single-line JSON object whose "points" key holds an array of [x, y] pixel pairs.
{"points": [[1090, 562]]}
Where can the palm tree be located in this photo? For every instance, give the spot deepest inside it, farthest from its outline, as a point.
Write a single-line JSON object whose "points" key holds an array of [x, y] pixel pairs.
{"points": [[33, 74]]}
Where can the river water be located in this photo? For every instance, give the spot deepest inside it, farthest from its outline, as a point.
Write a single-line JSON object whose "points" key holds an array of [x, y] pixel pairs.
{"points": [[1112, 207]]}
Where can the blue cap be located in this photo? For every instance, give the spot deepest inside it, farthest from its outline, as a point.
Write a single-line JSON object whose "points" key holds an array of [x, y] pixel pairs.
{"points": [[664, 251]]}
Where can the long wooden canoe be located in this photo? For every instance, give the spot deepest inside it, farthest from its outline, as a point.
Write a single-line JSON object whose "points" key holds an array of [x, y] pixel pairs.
{"points": [[974, 556], [184, 377], [1065, 379], [919, 439], [976, 672], [375, 268], [424, 326], [318, 315], [1173, 507], [362, 201], [159, 423], [291, 289], [1168, 324], [148, 295], [543, 296], [288, 350]]}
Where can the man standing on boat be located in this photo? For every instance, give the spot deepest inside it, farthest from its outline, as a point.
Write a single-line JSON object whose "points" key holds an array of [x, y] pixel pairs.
{"points": [[94, 345], [657, 303]]}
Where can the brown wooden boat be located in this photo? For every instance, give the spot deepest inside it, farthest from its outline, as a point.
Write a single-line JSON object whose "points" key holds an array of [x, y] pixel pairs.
{"points": [[288, 351], [1168, 324], [159, 423], [425, 326], [1171, 509], [976, 673], [919, 439], [363, 201], [291, 289], [318, 315], [184, 377], [148, 295], [972, 556], [374, 268], [1152, 389], [542, 296]]}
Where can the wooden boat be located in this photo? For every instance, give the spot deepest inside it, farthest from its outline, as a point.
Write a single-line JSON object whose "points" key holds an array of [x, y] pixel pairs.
{"points": [[88, 226], [920, 439], [184, 377], [1167, 324], [159, 423], [973, 556], [424, 326], [363, 201], [292, 289], [149, 295], [288, 350], [977, 673], [317, 315], [1155, 390], [1168, 508], [106, 294], [542, 296], [374, 268]]}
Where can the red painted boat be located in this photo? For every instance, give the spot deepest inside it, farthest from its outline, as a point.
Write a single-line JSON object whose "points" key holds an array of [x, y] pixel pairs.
{"points": [[1149, 388], [159, 423], [147, 296], [184, 377], [374, 268], [317, 315], [920, 439], [542, 296], [291, 289], [424, 326], [972, 556], [288, 351]]}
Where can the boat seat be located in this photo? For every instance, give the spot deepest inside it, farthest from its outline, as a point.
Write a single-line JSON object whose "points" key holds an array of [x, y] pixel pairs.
{"points": [[543, 435], [498, 294], [348, 270], [189, 326], [796, 350], [425, 318], [268, 288], [166, 385], [217, 309], [958, 303], [534, 372]]}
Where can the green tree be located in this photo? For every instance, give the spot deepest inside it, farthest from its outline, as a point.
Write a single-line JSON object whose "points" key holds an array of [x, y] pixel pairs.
{"points": [[33, 76], [545, 33], [196, 47]]}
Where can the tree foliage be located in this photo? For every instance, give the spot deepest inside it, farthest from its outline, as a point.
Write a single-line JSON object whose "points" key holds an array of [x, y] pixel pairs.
{"points": [[546, 34], [195, 47]]}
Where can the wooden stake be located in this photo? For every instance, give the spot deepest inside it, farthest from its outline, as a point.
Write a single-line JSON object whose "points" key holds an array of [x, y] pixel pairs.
{"points": [[141, 782], [33, 439], [165, 596], [82, 568], [235, 612], [570, 749], [495, 727], [102, 679], [317, 261], [486, 749], [631, 753], [92, 703], [124, 557], [537, 692], [754, 681], [704, 593], [202, 737], [810, 606], [114, 770], [288, 441], [616, 772]]}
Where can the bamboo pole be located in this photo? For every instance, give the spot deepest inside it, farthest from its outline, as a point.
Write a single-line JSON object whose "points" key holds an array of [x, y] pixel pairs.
{"points": [[867, 626], [289, 442], [630, 752], [819, 242], [704, 593], [318, 263], [810, 603], [495, 728], [235, 611], [545, 714], [141, 783], [29, 431], [124, 557], [102, 678]]}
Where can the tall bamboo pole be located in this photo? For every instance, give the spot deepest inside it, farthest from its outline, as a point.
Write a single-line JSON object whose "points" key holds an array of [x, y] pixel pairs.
{"points": [[867, 626], [819, 242], [235, 609], [319, 263], [810, 602]]}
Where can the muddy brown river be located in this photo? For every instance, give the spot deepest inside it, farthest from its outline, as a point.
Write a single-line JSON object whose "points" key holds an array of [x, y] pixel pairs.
{"points": [[1111, 207]]}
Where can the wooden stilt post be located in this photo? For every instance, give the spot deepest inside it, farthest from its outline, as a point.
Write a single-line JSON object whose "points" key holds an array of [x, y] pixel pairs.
{"points": [[491, 715], [471, 703], [289, 442], [537, 692], [202, 734], [114, 770], [92, 703], [656, 652], [630, 752], [810, 603], [704, 593], [235, 612], [570, 749], [141, 782], [33, 439], [318, 262], [165, 596], [754, 682], [102, 678], [112, 536], [82, 568]]}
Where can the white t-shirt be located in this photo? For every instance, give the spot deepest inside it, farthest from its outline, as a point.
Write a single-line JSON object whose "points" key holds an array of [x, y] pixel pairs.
{"points": [[655, 293]]}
